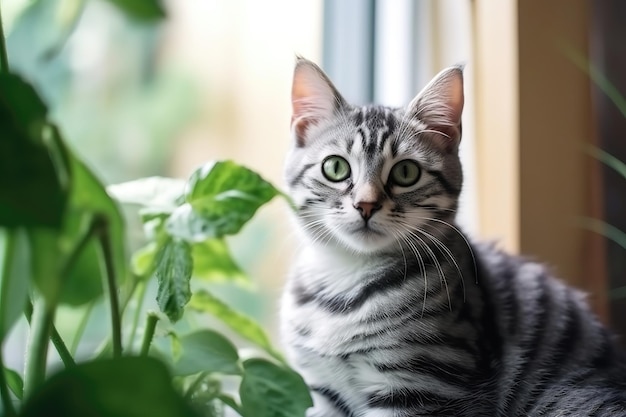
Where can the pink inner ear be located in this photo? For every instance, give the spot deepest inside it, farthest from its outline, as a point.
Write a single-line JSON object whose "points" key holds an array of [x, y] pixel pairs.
{"points": [[312, 98], [299, 127], [440, 105], [455, 97]]}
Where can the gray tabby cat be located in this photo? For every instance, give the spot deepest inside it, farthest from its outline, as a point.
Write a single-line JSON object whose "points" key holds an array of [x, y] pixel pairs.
{"points": [[389, 310]]}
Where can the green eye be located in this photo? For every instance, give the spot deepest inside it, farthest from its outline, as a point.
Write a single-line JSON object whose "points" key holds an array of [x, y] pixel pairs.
{"points": [[405, 173], [335, 168]]}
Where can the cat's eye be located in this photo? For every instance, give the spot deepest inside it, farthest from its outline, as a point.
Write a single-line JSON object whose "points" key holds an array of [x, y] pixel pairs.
{"points": [[335, 168], [405, 173]]}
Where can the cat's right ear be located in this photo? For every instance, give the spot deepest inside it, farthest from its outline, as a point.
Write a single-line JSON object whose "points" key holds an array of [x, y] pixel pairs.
{"points": [[440, 105], [314, 98]]}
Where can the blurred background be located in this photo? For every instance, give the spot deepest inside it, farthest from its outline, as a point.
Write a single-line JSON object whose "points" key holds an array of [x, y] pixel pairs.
{"points": [[212, 81]]}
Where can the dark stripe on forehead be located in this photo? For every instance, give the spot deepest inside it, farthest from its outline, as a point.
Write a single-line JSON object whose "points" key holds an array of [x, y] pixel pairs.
{"points": [[370, 148], [380, 124], [363, 136], [394, 147], [390, 128], [350, 143], [358, 117], [376, 118]]}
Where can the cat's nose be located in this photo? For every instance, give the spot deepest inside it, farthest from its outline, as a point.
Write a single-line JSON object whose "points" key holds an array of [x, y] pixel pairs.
{"points": [[367, 209]]}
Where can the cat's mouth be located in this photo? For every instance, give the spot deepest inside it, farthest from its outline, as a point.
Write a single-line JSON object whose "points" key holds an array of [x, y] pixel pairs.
{"points": [[366, 237], [366, 229]]}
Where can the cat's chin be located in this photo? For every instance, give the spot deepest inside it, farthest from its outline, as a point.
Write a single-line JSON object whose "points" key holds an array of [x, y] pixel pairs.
{"points": [[367, 241]]}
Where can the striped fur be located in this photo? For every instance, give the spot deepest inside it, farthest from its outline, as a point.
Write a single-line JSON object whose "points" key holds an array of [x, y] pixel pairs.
{"points": [[397, 313]]}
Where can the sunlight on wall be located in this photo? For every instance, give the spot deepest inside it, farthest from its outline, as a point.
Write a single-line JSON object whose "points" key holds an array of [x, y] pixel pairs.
{"points": [[242, 54]]}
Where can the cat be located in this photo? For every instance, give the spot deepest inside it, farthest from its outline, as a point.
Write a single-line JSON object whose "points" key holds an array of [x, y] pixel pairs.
{"points": [[389, 310]]}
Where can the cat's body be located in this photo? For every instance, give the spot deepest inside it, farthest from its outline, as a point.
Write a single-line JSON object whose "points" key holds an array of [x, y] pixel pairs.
{"points": [[389, 310]]}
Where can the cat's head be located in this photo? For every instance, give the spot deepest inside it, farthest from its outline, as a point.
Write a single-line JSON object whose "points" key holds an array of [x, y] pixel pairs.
{"points": [[373, 178]]}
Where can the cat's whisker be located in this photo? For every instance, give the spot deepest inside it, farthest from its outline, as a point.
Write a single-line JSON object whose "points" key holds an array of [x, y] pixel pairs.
{"points": [[422, 267], [447, 251], [443, 248], [437, 208], [467, 243], [319, 236], [433, 256], [403, 255], [437, 132]]}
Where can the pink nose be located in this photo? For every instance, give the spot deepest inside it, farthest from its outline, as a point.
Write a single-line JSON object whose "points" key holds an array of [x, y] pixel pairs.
{"points": [[367, 209]]}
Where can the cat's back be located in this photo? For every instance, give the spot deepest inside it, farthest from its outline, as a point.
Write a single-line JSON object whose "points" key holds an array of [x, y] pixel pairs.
{"points": [[553, 352]]}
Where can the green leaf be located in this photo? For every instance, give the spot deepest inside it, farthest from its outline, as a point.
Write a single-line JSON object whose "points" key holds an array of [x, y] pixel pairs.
{"points": [[15, 272], [15, 382], [89, 195], [270, 390], [31, 193], [597, 76], [203, 387], [207, 351], [175, 346], [22, 103], [231, 402], [154, 223], [221, 198], [68, 14], [617, 293], [128, 386], [173, 272], [604, 229], [243, 325], [608, 159], [34, 172], [212, 262], [83, 281], [52, 249], [142, 261], [153, 192], [51, 252], [142, 10]]}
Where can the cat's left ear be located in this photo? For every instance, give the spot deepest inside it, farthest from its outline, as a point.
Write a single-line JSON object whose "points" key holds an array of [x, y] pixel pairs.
{"points": [[440, 105], [314, 99]]}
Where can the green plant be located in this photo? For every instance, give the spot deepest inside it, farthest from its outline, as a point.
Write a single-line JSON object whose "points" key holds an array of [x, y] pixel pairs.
{"points": [[62, 242], [619, 101]]}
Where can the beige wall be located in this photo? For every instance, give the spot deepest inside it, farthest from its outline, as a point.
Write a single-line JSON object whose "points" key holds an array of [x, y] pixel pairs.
{"points": [[536, 181], [497, 120]]}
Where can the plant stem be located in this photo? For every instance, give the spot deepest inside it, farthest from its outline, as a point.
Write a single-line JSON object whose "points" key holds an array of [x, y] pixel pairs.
{"points": [[148, 334], [111, 284], [141, 295], [37, 349], [128, 297], [4, 60], [6, 270], [81, 328], [42, 328], [195, 385], [230, 401], [7, 404], [55, 337]]}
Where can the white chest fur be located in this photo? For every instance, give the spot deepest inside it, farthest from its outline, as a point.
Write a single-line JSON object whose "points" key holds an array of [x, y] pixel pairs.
{"points": [[341, 278]]}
